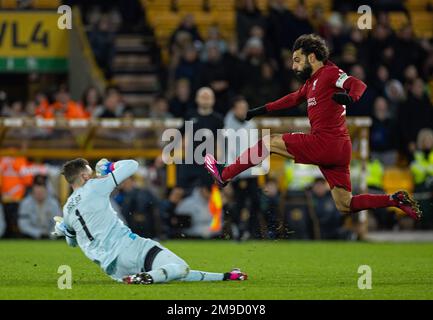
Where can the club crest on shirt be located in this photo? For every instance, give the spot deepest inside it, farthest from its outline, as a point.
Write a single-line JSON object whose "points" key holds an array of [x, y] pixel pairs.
{"points": [[314, 84]]}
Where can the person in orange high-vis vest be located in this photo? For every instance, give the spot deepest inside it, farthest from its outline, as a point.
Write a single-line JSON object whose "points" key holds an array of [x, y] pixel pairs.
{"points": [[71, 110], [14, 182]]}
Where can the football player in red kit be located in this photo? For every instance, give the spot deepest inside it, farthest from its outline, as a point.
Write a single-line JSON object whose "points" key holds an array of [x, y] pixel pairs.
{"points": [[327, 90]]}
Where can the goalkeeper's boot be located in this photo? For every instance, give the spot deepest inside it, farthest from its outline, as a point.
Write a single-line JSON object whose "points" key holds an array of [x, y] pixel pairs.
{"points": [[214, 170], [235, 275], [139, 278], [404, 202]]}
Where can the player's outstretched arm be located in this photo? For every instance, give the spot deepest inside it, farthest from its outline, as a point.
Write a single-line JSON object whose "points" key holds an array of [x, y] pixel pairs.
{"points": [[113, 173], [288, 101]]}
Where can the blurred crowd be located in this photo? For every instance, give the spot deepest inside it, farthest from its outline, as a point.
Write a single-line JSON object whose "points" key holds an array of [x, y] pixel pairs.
{"points": [[248, 70]]}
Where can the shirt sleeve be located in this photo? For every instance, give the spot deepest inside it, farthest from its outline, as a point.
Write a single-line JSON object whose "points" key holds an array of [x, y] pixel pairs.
{"points": [[288, 101], [354, 86], [122, 170]]}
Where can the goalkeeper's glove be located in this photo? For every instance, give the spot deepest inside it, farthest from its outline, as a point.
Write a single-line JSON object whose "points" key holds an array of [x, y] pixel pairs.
{"points": [[256, 112], [104, 167], [342, 98], [60, 229]]}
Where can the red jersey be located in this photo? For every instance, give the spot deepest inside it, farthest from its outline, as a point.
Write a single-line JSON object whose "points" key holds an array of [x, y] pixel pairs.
{"points": [[326, 116]]}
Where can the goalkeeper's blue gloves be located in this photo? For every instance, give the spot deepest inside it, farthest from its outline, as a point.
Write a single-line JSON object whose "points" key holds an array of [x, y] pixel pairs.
{"points": [[104, 167], [60, 229]]}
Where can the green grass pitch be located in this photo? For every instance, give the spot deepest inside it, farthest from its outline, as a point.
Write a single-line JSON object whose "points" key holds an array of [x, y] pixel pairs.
{"points": [[276, 269]]}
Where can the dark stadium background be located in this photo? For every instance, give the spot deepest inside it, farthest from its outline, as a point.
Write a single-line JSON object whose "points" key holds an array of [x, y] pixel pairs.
{"points": [[129, 69]]}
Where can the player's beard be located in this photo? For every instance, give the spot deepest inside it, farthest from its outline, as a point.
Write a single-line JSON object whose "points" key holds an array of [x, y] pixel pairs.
{"points": [[305, 73]]}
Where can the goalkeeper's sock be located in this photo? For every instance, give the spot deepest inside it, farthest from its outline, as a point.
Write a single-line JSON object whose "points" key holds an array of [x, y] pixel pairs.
{"points": [[169, 272], [195, 275], [371, 201], [249, 158]]}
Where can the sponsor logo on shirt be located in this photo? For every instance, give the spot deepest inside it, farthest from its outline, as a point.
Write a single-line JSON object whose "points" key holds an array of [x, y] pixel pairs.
{"points": [[311, 102]]}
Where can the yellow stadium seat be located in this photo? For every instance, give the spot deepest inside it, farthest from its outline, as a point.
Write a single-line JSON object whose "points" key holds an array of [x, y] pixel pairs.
{"points": [[422, 24], [397, 20], [395, 179], [225, 5], [46, 4], [8, 4], [417, 5], [190, 5]]}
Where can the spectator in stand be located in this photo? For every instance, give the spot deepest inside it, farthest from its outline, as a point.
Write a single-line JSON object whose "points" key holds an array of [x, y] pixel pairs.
{"points": [[42, 104], [407, 51], [348, 57], [299, 24], [278, 30], [383, 133], [358, 39], [203, 118], [173, 222], [214, 39], [101, 39], [326, 219], [64, 106], [30, 108], [139, 208], [15, 110], [37, 210], [319, 22], [14, 180], [181, 104], [395, 94], [266, 89], [189, 67], [338, 35], [216, 75], [285, 73], [113, 107], [415, 114], [380, 78], [110, 107], [422, 171], [248, 15], [196, 206], [92, 102], [159, 108], [187, 25], [410, 74], [379, 47], [254, 59]]}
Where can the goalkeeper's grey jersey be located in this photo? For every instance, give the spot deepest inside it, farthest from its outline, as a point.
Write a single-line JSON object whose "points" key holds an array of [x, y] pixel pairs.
{"points": [[88, 213]]}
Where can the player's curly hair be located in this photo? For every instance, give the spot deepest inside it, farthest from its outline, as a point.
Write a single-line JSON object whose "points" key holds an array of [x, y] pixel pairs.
{"points": [[73, 168], [312, 43]]}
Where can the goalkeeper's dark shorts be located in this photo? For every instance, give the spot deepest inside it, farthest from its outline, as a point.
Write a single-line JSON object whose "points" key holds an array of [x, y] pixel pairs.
{"points": [[331, 154]]}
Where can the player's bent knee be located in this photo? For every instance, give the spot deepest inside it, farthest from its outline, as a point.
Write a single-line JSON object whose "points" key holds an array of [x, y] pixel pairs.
{"points": [[343, 207]]}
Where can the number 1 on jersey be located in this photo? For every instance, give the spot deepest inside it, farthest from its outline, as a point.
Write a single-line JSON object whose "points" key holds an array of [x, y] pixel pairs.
{"points": [[83, 223]]}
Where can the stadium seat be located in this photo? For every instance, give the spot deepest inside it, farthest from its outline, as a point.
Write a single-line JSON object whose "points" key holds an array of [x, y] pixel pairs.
{"points": [[395, 179], [418, 5], [46, 4], [8, 4], [397, 20], [422, 24]]}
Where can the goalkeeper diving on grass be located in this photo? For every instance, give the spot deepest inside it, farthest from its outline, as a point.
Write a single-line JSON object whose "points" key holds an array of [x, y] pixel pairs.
{"points": [[90, 222]]}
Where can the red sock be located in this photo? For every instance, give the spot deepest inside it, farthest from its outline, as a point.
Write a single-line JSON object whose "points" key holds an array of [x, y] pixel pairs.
{"points": [[249, 158], [370, 201]]}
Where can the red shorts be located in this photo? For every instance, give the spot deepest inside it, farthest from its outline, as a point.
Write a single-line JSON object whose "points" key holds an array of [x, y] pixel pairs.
{"points": [[331, 154]]}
